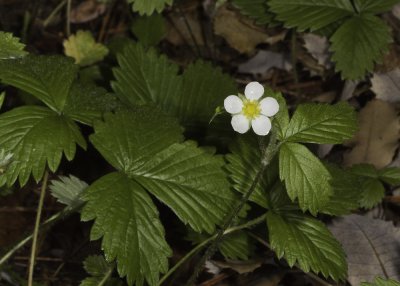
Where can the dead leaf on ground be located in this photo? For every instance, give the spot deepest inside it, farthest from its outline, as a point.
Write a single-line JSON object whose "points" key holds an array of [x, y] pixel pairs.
{"points": [[239, 266], [377, 139], [240, 32], [348, 89], [318, 47], [263, 61], [387, 85], [87, 11], [396, 11], [372, 247]]}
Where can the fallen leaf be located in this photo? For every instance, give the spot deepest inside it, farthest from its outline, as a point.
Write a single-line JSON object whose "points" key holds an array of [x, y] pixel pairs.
{"points": [[264, 61], [240, 32], [87, 11], [348, 89], [387, 85], [318, 47], [372, 247], [239, 266], [396, 11], [377, 138]]}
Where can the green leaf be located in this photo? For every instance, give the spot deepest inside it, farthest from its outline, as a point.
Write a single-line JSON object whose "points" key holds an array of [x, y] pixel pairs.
{"points": [[358, 44], [2, 97], [36, 137], [148, 7], [307, 242], [364, 170], [236, 246], [390, 176], [322, 124], [128, 221], [379, 281], [243, 165], [346, 192], [186, 178], [305, 177], [281, 119], [67, 190], [10, 47], [310, 14], [145, 77], [83, 48], [375, 7], [48, 78], [255, 9], [100, 270], [372, 193], [149, 30]]}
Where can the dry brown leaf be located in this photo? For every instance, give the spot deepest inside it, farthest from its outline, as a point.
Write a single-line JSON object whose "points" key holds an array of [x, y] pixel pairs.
{"points": [[318, 47], [240, 267], [263, 61], [387, 85], [240, 32], [87, 11], [377, 139]]}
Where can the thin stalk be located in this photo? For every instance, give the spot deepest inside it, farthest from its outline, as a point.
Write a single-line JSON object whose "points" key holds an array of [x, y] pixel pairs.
{"points": [[69, 4], [106, 277], [36, 229], [267, 157], [189, 28], [45, 225], [248, 224], [54, 13]]}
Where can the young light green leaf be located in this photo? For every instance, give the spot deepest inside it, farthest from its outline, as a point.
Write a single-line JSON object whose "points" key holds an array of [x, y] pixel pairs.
{"points": [[379, 281], [10, 47], [310, 14], [186, 178], [373, 6], [358, 44], [48, 78], [67, 190], [83, 48], [372, 193], [306, 241], [128, 221], [36, 137], [149, 30], [322, 124], [255, 9], [390, 176], [305, 177], [148, 7]]}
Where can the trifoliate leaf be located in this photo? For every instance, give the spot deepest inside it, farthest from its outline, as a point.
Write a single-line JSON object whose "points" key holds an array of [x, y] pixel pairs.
{"points": [[305, 241], [390, 176], [322, 124], [36, 137], [372, 193], [255, 9], [149, 30], [128, 221], [310, 14], [186, 178], [67, 190], [358, 44], [243, 165], [148, 7], [346, 192], [10, 47], [83, 48], [379, 281], [145, 77], [373, 6], [48, 78], [305, 177]]}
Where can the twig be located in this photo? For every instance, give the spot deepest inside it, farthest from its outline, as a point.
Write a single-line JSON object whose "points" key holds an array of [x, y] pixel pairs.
{"points": [[36, 229]]}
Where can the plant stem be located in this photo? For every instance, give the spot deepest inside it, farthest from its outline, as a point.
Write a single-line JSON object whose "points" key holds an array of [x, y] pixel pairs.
{"points": [[106, 277], [69, 4], [36, 229], [248, 224], [53, 13], [266, 159]]}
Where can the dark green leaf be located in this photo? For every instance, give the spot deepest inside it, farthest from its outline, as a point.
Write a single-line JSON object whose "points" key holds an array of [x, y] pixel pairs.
{"points": [[255, 9], [148, 7], [149, 30], [364, 170], [379, 281], [390, 176], [374, 6], [281, 119], [236, 246], [372, 193]]}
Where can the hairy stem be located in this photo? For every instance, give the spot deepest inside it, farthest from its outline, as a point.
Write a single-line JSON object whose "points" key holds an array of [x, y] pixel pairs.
{"points": [[230, 230], [36, 229], [266, 159]]}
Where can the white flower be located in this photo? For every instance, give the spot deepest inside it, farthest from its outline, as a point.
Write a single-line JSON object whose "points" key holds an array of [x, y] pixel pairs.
{"points": [[251, 111]]}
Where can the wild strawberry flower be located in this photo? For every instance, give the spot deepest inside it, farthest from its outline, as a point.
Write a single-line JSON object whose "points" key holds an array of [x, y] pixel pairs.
{"points": [[249, 110]]}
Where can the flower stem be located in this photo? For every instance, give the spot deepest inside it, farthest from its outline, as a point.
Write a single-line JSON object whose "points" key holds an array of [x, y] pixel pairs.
{"points": [[248, 224], [36, 229], [266, 159]]}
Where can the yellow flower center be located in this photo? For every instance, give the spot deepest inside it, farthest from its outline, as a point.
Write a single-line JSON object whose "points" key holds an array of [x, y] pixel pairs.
{"points": [[251, 109]]}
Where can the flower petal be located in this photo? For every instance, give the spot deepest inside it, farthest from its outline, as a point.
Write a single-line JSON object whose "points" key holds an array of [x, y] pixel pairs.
{"points": [[269, 106], [233, 104], [254, 90], [261, 125], [240, 123]]}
